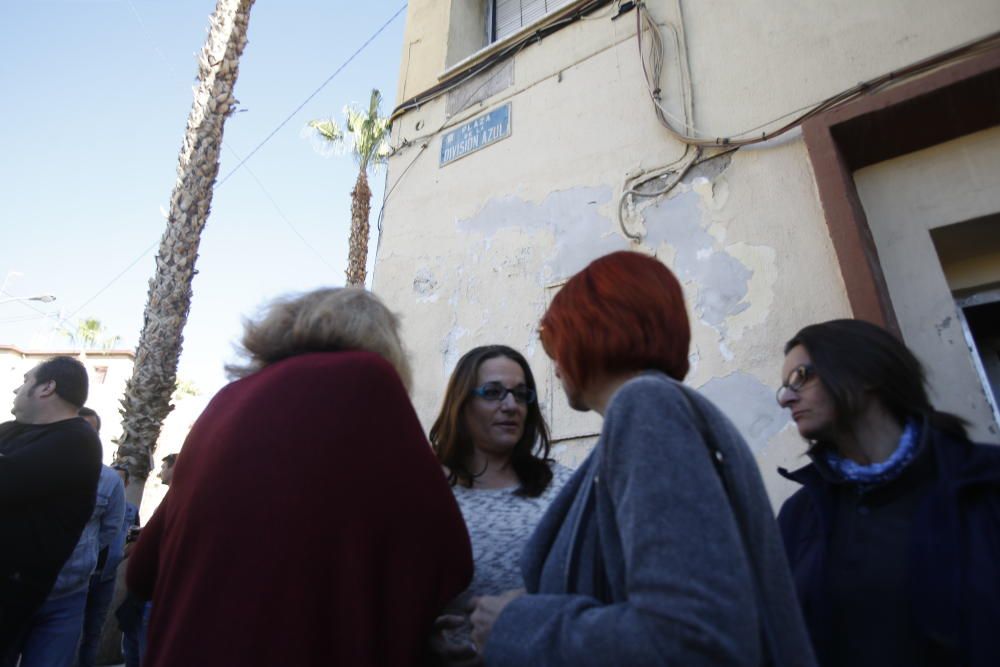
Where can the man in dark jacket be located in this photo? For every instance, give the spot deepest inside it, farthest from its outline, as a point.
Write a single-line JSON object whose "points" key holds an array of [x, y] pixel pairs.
{"points": [[50, 461]]}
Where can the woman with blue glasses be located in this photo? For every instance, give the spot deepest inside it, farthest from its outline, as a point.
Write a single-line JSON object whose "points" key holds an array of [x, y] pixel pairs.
{"points": [[492, 440]]}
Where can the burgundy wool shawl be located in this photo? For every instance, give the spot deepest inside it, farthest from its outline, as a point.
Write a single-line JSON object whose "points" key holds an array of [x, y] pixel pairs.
{"points": [[308, 523]]}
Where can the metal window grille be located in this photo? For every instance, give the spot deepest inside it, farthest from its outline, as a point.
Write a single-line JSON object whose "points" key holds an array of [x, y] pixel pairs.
{"points": [[509, 16]]}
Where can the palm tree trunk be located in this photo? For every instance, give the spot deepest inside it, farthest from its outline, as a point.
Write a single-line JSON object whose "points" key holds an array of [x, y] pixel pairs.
{"points": [[147, 395], [357, 252]]}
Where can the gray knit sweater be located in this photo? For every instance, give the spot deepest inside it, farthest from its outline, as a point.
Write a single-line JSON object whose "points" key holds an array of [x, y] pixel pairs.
{"points": [[640, 561], [500, 524]]}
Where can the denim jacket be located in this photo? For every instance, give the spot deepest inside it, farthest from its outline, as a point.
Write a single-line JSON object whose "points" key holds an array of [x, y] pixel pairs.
{"points": [[101, 530], [116, 553]]}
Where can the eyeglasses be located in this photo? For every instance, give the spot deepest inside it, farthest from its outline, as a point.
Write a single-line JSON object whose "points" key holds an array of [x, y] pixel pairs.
{"points": [[796, 379], [494, 392]]}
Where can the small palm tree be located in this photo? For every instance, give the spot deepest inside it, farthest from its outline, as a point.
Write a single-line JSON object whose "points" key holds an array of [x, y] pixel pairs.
{"points": [[90, 334], [367, 138]]}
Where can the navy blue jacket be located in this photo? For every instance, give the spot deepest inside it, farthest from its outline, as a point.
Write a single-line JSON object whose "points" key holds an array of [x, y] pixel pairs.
{"points": [[953, 568]]}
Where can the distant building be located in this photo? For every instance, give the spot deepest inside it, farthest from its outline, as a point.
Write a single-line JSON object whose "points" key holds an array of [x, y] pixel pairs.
{"points": [[527, 143]]}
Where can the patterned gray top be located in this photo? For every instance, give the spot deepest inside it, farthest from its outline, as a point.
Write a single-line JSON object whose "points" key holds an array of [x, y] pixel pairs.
{"points": [[500, 524]]}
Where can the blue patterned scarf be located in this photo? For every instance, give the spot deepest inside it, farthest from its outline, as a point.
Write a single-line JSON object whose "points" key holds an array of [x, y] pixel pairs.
{"points": [[879, 473]]}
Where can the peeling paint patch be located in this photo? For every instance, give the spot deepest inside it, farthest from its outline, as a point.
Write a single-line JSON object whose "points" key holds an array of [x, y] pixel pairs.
{"points": [[693, 360], [572, 217], [450, 349], [750, 404], [761, 262], [722, 280], [425, 286], [710, 170]]}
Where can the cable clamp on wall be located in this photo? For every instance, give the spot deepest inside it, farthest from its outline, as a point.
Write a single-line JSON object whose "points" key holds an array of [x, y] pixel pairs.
{"points": [[625, 8]]}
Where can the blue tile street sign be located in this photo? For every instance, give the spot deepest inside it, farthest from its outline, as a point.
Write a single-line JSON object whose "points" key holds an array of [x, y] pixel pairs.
{"points": [[476, 134]]}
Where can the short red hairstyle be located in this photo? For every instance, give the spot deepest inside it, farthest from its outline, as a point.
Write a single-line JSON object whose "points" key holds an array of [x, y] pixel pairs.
{"points": [[624, 312]]}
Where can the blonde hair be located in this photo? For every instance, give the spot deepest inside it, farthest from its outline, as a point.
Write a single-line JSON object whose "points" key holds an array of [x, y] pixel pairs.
{"points": [[324, 320]]}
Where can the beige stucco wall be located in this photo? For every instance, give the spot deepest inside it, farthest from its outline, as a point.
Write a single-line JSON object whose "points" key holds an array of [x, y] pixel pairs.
{"points": [[471, 252], [425, 46]]}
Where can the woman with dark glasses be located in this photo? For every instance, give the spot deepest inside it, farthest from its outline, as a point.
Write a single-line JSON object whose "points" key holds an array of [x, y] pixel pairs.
{"points": [[894, 539], [492, 440]]}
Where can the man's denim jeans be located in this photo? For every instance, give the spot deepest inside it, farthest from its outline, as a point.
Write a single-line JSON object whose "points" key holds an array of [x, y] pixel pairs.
{"points": [[134, 640], [54, 634], [98, 602]]}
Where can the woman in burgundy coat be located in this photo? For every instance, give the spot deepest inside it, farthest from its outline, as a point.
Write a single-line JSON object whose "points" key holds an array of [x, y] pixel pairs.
{"points": [[308, 522]]}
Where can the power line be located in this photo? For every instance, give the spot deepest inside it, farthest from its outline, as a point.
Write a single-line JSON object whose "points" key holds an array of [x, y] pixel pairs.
{"points": [[282, 215], [388, 190], [112, 281], [424, 143], [312, 95], [25, 302], [23, 318], [249, 155], [260, 184], [150, 40]]}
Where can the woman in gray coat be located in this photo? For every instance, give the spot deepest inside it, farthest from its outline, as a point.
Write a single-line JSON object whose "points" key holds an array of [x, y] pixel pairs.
{"points": [[662, 548]]}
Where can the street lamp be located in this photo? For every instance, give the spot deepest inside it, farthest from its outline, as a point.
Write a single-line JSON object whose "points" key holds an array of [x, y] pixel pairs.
{"points": [[44, 298]]}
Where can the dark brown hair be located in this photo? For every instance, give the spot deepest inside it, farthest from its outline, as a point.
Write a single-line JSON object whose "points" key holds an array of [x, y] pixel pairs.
{"points": [[856, 360], [89, 412], [70, 377], [450, 438], [623, 312]]}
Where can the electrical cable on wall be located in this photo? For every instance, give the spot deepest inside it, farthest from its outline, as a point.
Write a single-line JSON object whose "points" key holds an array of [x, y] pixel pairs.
{"points": [[456, 119], [545, 28], [652, 68], [683, 130], [674, 175], [424, 142], [652, 72]]}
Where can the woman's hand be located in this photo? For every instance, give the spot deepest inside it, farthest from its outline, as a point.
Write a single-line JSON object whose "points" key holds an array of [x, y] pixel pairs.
{"points": [[447, 645], [487, 609]]}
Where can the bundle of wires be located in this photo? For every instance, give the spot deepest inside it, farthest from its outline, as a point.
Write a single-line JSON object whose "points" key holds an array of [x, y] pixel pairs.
{"points": [[652, 69]]}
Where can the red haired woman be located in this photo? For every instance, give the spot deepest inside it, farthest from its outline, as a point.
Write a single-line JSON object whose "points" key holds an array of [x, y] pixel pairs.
{"points": [[662, 548]]}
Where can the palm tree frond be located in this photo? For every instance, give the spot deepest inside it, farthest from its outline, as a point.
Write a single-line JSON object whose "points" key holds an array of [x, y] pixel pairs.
{"points": [[370, 132], [374, 102], [328, 129]]}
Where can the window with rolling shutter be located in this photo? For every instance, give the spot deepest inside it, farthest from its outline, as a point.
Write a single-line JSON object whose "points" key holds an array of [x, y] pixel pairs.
{"points": [[509, 16]]}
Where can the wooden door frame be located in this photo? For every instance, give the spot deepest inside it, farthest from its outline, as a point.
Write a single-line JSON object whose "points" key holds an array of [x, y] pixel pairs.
{"points": [[940, 106]]}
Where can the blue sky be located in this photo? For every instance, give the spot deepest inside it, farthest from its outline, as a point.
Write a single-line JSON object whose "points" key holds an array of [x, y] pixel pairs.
{"points": [[96, 94]]}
